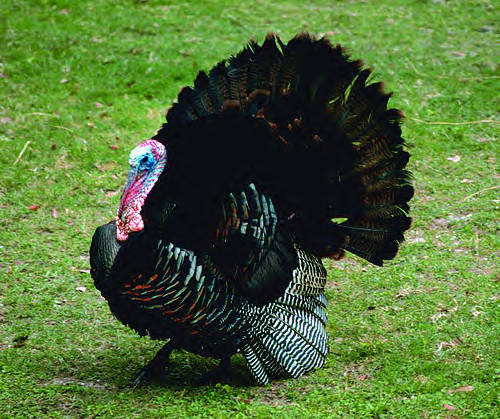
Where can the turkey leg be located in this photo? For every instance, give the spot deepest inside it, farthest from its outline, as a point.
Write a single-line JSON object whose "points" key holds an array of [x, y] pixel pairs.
{"points": [[220, 374], [154, 369]]}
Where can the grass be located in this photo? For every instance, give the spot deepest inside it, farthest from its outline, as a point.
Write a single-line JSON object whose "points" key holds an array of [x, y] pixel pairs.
{"points": [[83, 82]]}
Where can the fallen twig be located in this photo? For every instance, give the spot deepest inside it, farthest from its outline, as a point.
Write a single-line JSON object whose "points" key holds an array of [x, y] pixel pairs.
{"points": [[481, 191], [64, 128], [22, 151], [450, 76], [44, 114], [481, 121]]}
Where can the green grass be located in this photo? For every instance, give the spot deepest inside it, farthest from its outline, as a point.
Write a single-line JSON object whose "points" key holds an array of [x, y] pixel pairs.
{"points": [[402, 337]]}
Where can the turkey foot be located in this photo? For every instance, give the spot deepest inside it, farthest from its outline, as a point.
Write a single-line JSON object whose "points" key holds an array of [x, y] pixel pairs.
{"points": [[154, 369], [220, 374]]}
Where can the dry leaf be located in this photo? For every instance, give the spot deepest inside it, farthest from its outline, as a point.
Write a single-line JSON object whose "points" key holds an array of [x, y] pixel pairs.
{"points": [[114, 147], [475, 312], [435, 318], [458, 54], [81, 289], [408, 291], [441, 222], [98, 105], [33, 207], [448, 406], [464, 180], [64, 11], [90, 124], [463, 389], [454, 159], [452, 344]]}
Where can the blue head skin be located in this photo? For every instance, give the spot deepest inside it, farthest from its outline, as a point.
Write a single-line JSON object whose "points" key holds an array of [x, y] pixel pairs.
{"points": [[147, 162]]}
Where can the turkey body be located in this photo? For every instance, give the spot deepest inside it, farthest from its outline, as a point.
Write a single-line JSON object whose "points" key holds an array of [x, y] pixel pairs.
{"points": [[276, 158]]}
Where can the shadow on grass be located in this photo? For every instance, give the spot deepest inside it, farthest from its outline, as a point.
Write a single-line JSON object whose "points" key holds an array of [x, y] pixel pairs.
{"points": [[115, 369]]}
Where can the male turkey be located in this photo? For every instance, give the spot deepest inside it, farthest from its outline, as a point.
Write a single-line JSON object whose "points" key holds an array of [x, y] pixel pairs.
{"points": [[278, 157]]}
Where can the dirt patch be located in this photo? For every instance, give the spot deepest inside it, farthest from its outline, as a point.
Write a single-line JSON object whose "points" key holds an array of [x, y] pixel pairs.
{"points": [[444, 223], [64, 381], [274, 395], [439, 223], [410, 291]]}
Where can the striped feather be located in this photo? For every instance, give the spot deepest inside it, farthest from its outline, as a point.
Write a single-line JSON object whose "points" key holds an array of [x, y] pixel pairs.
{"points": [[288, 337]]}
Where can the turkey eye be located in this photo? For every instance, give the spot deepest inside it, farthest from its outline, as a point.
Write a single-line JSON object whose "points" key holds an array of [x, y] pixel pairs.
{"points": [[144, 159]]}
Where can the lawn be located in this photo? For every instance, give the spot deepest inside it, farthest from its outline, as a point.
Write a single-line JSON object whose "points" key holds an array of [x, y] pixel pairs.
{"points": [[82, 82]]}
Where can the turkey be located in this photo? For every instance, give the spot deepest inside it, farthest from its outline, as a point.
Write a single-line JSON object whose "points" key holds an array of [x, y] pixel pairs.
{"points": [[277, 157]]}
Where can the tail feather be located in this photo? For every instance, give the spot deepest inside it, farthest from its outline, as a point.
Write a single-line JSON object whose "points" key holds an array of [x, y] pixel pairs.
{"points": [[218, 87], [201, 85], [342, 151], [385, 203]]}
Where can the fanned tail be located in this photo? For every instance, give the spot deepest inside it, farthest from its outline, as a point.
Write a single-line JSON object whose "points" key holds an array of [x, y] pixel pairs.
{"points": [[341, 176], [288, 337]]}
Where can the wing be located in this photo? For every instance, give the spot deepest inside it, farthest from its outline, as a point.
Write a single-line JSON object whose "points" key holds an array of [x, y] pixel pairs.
{"points": [[163, 290], [253, 248]]}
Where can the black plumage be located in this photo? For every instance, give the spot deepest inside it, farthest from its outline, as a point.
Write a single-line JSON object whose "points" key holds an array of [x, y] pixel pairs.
{"points": [[265, 153]]}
